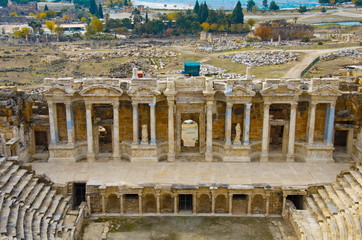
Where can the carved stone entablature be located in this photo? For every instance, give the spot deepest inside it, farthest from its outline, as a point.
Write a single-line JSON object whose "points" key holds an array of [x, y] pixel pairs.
{"points": [[239, 94], [317, 83], [143, 92], [57, 91], [281, 93], [325, 94], [101, 91], [193, 84]]}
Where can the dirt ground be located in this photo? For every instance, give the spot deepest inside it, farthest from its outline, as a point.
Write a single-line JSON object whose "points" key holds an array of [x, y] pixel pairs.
{"points": [[195, 228]]}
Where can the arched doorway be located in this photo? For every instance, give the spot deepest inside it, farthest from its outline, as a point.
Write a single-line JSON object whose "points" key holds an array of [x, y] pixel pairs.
{"points": [[204, 204], [220, 204], [189, 136], [258, 205], [113, 204], [166, 203], [150, 204]]}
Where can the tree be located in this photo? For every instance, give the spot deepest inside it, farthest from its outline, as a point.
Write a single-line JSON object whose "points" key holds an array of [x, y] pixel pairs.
{"points": [[265, 4], [154, 27], [302, 9], [197, 7], [203, 12], [3, 3], [263, 32], [50, 25], [46, 8], [83, 19], [125, 3], [358, 3], [35, 26], [97, 25], [273, 6], [205, 26], [323, 10], [93, 7], [250, 5], [323, 1], [255, 8], [237, 15], [100, 11], [146, 17], [22, 33], [251, 22]]}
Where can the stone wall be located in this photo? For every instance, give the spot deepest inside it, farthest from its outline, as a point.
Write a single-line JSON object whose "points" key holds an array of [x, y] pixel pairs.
{"points": [[80, 124], [161, 121], [320, 121], [301, 121], [125, 121], [218, 123], [256, 121]]}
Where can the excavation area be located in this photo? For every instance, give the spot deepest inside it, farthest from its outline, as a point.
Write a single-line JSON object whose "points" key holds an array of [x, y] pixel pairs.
{"points": [[185, 228]]}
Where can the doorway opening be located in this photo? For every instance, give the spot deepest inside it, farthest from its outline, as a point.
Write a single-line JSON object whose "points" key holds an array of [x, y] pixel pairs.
{"points": [[41, 141], [190, 136], [297, 200], [340, 140], [185, 202], [105, 139], [276, 138], [79, 190], [240, 204]]}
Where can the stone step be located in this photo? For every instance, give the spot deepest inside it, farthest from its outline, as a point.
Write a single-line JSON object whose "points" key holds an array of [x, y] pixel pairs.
{"points": [[36, 225], [28, 220], [45, 224], [342, 195], [32, 196], [13, 219], [47, 201], [338, 203], [17, 190], [2, 160], [40, 198], [2, 198], [354, 184], [350, 192], [4, 215], [4, 168], [321, 205], [333, 228], [357, 175], [54, 205], [328, 203], [52, 230], [60, 210], [311, 205], [14, 180], [5, 178], [27, 190], [20, 223]]}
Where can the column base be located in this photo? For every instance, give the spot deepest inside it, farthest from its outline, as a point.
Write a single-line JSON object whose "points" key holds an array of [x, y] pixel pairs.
{"points": [[116, 157], [91, 157], [171, 157], [208, 157], [264, 157], [290, 158]]}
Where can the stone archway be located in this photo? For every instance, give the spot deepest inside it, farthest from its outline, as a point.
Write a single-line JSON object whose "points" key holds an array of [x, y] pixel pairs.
{"points": [[221, 204], [166, 203], [149, 202], [258, 204], [204, 204], [113, 204]]}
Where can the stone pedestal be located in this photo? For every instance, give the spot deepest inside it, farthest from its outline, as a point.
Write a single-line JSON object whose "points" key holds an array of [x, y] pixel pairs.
{"points": [[237, 153]]}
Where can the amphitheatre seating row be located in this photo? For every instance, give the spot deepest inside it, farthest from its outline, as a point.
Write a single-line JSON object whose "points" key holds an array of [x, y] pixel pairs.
{"points": [[332, 211], [30, 208]]}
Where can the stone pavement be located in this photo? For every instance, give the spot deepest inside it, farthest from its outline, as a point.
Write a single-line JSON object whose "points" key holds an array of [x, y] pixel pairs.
{"points": [[192, 173]]}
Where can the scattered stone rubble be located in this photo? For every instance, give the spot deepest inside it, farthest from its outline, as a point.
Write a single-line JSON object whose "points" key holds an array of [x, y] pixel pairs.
{"points": [[261, 58], [342, 53]]}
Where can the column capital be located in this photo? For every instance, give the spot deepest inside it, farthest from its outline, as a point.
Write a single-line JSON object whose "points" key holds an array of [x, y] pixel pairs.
{"points": [[293, 104], [248, 105], [68, 103], [115, 104], [267, 104], [209, 103], [152, 105], [134, 104], [333, 104], [313, 104], [88, 106], [229, 104], [170, 103]]}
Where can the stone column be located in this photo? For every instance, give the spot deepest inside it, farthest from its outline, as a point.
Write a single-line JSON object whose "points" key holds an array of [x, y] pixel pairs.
{"points": [[228, 124], [158, 203], [230, 203], [311, 123], [140, 203], [331, 124], [90, 154], [267, 205], [103, 204], [246, 131], [194, 203], [208, 153], [3, 145], [293, 115], [171, 132], [116, 154], [249, 204], [153, 123], [89, 204], [53, 122], [284, 202], [326, 123], [135, 123], [175, 203], [70, 122], [265, 139], [212, 203], [121, 201], [22, 135], [359, 136]]}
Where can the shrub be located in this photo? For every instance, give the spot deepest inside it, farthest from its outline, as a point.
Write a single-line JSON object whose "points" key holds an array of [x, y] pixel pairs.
{"points": [[320, 43], [305, 39]]}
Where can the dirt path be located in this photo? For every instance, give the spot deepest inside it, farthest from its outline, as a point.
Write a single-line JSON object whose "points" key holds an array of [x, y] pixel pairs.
{"points": [[295, 71]]}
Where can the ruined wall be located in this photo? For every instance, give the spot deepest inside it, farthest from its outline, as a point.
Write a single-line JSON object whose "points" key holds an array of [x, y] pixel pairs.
{"points": [[256, 121], [80, 124], [275, 202], [320, 119], [161, 121], [301, 121], [218, 123], [62, 122], [125, 121]]}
